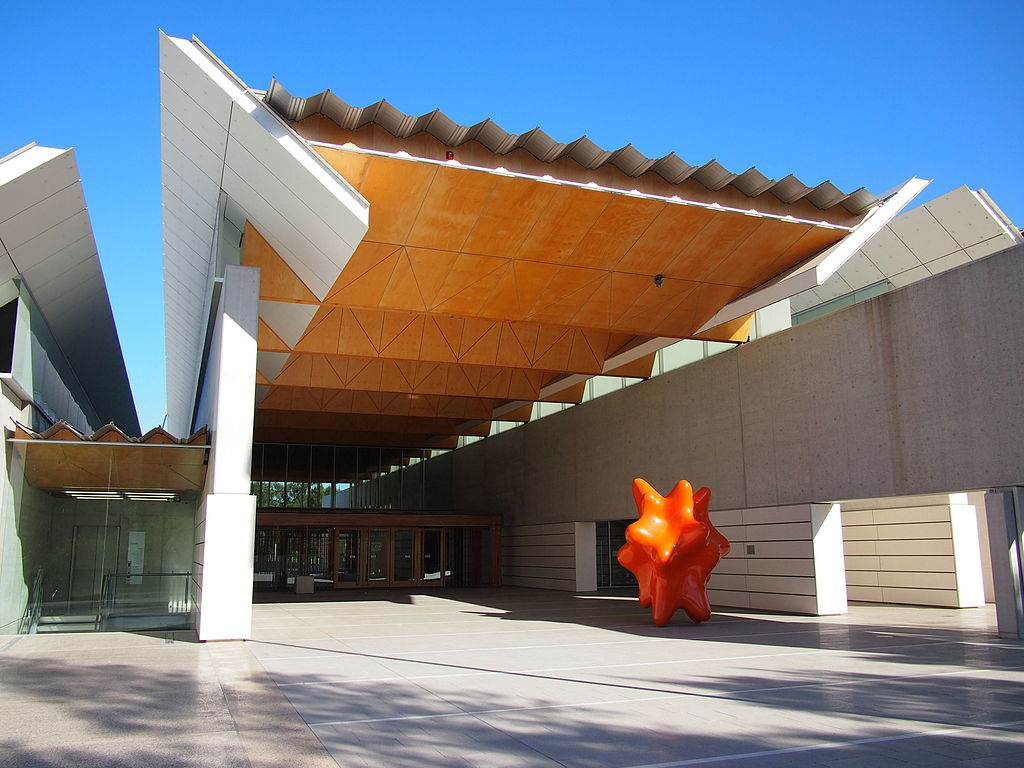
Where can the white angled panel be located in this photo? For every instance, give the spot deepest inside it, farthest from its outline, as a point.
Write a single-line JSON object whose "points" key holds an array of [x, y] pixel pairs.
{"points": [[24, 226], [287, 320], [921, 233], [56, 238], [962, 214]]}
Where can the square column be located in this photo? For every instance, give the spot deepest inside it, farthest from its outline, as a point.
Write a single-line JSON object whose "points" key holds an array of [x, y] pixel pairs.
{"points": [[226, 518], [1004, 508]]}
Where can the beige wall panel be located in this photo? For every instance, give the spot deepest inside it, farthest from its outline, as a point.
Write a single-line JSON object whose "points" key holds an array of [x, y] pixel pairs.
{"points": [[761, 566], [867, 594], [728, 599], [937, 597], [915, 531], [862, 563], [923, 563], [943, 581], [788, 603], [859, 547], [914, 547], [930, 514], [856, 578], [786, 585]]}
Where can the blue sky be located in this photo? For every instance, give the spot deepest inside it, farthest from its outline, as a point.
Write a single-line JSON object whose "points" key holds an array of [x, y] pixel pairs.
{"points": [[863, 94]]}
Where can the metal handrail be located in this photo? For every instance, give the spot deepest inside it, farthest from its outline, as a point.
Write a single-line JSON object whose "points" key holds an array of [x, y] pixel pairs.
{"points": [[34, 608]]}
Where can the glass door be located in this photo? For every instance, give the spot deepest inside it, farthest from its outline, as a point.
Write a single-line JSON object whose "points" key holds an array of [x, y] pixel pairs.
{"points": [[348, 557], [377, 561], [430, 557], [403, 560]]}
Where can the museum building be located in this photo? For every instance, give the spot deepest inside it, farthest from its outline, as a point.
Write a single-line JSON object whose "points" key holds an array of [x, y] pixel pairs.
{"points": [[408, 353]]}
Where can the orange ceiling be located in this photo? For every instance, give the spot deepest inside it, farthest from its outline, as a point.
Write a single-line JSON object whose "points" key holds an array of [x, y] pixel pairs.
{"points": [[474, 291]]}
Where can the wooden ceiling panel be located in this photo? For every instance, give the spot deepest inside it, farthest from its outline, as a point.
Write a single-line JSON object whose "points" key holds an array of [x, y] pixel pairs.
{"points": [[622, 223], [323, 332], [395, 189], [710, 246], [508, 216], [363, 280], [750, 264], [450, 209], [430, 269], [666, 237], [381, 403], [351, 165], [558, 231], [476, 290]]}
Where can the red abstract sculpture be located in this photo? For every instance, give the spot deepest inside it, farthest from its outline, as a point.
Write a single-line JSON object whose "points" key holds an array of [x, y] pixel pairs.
{"points": [[672, 550]]}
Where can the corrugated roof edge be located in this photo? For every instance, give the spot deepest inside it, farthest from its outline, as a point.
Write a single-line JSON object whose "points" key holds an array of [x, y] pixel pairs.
{"points": [[628, 159], [109, 433]]}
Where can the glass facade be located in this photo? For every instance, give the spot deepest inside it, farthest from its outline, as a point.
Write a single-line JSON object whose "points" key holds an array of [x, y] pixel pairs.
{"points": [[350, 477], [96, 560]]}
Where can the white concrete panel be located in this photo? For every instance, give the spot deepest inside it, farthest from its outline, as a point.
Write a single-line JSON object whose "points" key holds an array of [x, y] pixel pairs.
{"points": [[832, 288], [949, 261], [988, 247], [859, 272], [922, 234], [804, 300], [963, 216], [901, 279]]}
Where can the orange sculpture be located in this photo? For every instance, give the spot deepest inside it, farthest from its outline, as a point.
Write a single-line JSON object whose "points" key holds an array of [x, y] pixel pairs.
{"points": [[672, 550]]}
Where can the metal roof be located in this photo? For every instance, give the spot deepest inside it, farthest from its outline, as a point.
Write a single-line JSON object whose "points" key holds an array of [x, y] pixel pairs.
{"points": [[627, 159]]}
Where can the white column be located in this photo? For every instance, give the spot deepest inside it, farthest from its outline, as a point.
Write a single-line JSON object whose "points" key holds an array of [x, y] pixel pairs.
{"points": [[586, 557], [227, 516], [1005, 510], [829, 561]]}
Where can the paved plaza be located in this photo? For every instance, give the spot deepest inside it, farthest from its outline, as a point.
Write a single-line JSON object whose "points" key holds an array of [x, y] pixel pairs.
{"points": [[519, 677]]}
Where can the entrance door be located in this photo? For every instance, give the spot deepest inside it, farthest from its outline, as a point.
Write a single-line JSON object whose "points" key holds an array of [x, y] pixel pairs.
{"points": [[378, 558], [348, 557], [403, 556], [430, 557]]}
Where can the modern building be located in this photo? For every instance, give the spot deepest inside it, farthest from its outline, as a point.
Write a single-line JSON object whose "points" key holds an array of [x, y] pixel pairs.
{"points": [[412, 353]]}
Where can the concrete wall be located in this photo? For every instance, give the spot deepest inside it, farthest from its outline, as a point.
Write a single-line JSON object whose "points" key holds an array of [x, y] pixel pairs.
{"points": [[916, 391]]}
